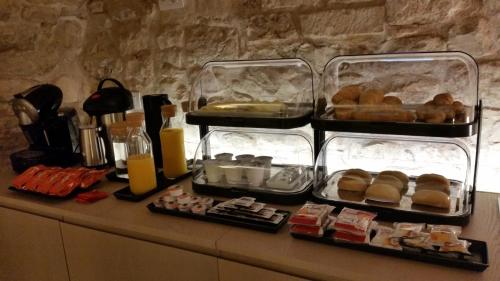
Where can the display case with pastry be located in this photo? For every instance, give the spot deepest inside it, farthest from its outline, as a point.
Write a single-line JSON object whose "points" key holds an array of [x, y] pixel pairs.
{"points": [[399, 177], [253, 93], [433, 94]]}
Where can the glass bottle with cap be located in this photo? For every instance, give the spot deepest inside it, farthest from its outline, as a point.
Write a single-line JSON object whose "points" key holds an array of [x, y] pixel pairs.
{"points": [[172, 143], [140, 161], [119, 133]]}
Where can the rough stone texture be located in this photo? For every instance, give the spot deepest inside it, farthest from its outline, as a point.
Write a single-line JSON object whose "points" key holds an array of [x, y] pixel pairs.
{"points": [[74, 43]]}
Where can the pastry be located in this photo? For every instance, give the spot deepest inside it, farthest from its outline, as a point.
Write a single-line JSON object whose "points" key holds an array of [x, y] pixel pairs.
{"points": [[400, 175], [360, 173], [383, 193], [430, 114], [431, 198], [350, 92], [448, 110], [433, 186], [344, 109], [391, 180], [443, 99], [392, 100], [458, 107], [396, 115], [352, 183], [371, 96], [432, 178]]}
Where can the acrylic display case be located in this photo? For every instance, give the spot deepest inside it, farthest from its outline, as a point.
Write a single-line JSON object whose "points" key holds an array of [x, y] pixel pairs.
{"points": [[259, 93], [271, 165], [411, 155], [426, 94]]}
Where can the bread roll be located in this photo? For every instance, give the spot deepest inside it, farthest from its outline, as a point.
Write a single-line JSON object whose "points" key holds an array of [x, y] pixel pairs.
{"points": [[392, 180], [448, 110], [352, 183], [458, 107], [385, 115], [433, 186], [443, 99], [350, 92], [371, 97], [430, 114], [392, 100], [400, 175], [432, 178], [431, 198], [383, 193], [359, 173], [344, 109]]}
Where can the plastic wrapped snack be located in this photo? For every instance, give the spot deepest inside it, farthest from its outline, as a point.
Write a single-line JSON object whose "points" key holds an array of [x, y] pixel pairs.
{"points": [[354, 221], [407, 229], [342, 236], [461, 246], [311, 214], [418, 240], [385, 239], [442, 234], [311, 230]]}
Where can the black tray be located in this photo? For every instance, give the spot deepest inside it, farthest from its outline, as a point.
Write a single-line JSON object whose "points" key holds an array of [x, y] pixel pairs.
{"points": [[261, 196], [162, 183], [477, 262], [111, 176], [251, 122], [261, 226], [397, 128], [70, 195]]}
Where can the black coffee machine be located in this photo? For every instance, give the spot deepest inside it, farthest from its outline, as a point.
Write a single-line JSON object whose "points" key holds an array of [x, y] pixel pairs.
{"points": [[107, 106], [50, 130]]}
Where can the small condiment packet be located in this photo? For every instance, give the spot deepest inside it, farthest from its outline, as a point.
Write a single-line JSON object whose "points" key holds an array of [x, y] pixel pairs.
{"points": [[460, 246], [243, 201], [441, 234], [385, 239]]}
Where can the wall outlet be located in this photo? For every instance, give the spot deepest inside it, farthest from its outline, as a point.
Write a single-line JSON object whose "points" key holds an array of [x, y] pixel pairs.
{"points": [[170, 4]]}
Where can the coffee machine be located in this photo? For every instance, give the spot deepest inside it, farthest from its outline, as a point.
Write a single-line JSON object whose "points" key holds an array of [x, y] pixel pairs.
{"points": [[105, 107], [50, 130]]}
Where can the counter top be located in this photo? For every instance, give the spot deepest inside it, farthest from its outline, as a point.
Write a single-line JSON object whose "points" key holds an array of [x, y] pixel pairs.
{"points": [[278, 252]]}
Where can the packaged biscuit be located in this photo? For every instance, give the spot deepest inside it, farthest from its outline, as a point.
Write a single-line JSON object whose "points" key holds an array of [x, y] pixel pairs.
{"points": [[418, 240], [354, 221], [406, 229], [385, 239], [311, 230], [311, 214], [460, 246], [348, 237], [441, 234]]}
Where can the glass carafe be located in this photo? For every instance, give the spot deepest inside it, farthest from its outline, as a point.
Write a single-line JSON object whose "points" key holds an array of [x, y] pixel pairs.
{"points": [[119, 135], [140, 161], [172, 143]]}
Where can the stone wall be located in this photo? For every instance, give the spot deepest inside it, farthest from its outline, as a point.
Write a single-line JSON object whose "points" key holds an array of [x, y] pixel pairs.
{"points": [[74, 43]]}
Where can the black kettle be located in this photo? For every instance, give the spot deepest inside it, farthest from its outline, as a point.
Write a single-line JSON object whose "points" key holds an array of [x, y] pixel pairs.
{"points": [[108, 100]]}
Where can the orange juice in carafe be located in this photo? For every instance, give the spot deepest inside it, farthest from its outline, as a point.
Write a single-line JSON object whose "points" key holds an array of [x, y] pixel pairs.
{"points": [[172, 148], [141, 173], [172, 144]]}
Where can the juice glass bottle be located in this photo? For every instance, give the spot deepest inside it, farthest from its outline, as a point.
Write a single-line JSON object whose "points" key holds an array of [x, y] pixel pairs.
{"points": [[140, 161], [172, 143]]}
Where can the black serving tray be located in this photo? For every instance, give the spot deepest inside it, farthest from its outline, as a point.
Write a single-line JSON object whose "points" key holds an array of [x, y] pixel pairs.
{"points": [[162, 183], [250, 122], [397, 128], [111, 176], [250, 224], [478, 261]]}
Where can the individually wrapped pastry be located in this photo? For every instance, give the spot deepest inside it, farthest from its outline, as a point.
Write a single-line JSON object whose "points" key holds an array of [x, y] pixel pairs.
{"points": [[342, 236], [460, 246], [354, 221], [311, 230], [385, 239], [311, 214], [419, 240], [442, 234], [407, 229]]}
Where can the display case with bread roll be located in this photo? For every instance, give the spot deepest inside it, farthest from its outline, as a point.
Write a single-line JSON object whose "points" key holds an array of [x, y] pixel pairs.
{"points": [[425, 94], [401, 178], [274, 93], [271, 165]]}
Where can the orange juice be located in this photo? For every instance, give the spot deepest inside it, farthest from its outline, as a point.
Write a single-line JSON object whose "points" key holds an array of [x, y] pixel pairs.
{"points": [[141, 173], [172, 148]]}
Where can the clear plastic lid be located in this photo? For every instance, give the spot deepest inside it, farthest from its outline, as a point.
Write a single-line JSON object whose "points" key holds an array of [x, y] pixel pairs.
{"points": [[432, 88], [258, 89], [410, 155], [265, 161]]}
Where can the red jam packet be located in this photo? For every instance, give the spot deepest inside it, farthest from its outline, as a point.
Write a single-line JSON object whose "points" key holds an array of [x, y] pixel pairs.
{"points": [[91, 196]]}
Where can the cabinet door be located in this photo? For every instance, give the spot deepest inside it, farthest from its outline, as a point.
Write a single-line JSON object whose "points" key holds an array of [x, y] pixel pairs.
{"points": [[30, 248], [95, 255], [230, 271]]}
